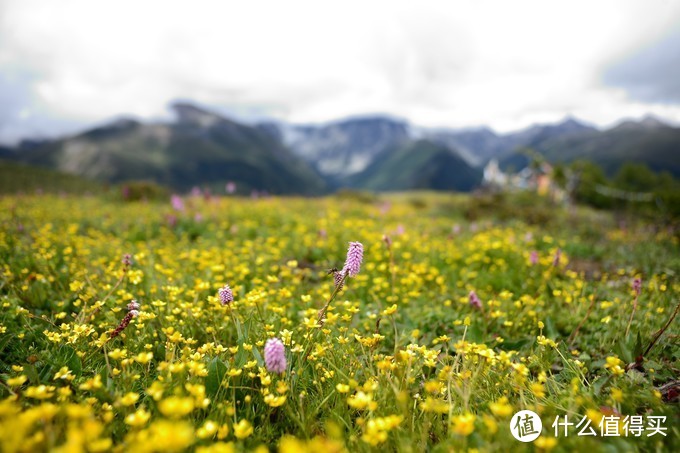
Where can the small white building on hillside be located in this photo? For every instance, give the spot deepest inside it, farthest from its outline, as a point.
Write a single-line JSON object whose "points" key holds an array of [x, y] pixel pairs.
{"points": [[493, 176], [539, 179]]}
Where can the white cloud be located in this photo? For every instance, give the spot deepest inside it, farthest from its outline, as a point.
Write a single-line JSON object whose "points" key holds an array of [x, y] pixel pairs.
{"points": [[444, 63]]}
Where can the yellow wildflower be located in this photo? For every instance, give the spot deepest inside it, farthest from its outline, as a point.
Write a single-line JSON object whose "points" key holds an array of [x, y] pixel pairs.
{"points": [[176, 406], [361, 401], [501, 408], [16, 381], [463, 424], [137, 418], [40, 392], [209, 429], [243, 429], [274, 401], [129, 399]]}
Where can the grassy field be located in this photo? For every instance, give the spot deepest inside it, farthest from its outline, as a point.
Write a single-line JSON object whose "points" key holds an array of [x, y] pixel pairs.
{"points": [[16, 177], [449, 328]]}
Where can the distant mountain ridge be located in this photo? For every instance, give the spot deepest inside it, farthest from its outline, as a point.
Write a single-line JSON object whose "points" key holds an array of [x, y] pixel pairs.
{"points": [[199, 148], [379, 153], [419, 164], [204, 148], [346, 147], [649, 141]]}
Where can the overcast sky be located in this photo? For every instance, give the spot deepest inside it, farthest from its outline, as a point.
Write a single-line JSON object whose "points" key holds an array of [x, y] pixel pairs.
{"points": [[507, 64]]}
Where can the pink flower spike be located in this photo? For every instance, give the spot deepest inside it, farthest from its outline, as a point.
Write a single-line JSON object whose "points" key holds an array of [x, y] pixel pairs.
{"points": [[226, 295], [475, 302], [275, 356], [177, 202], [355, 256], [637, 286], [534, 258]]}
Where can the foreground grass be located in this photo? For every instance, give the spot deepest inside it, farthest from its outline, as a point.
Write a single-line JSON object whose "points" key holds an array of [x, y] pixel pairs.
{"points": [[402, 362]]}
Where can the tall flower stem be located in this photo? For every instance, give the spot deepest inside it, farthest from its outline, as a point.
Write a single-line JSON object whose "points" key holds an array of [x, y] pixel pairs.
{"points": [[572, 337], [632, 313], [637, 364], [322, 313], [636, 287]]}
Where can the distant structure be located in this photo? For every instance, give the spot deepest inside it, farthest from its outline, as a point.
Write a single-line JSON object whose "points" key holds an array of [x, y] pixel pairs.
{"points": [[493, 176], [537, 177]]}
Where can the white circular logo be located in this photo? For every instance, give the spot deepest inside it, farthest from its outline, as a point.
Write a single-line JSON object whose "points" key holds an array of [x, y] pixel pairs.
{"points": [[526, 426]]}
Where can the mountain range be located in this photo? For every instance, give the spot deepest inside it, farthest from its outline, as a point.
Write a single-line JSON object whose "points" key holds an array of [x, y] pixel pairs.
{"points": [[648, 141], [202, 148], [198, 148]]}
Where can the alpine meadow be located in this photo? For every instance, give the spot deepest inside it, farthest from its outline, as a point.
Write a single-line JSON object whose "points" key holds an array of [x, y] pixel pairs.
{"points": [[333, 226], [343, 323]]}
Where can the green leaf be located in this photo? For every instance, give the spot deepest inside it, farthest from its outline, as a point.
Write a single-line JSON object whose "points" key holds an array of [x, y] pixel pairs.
{"points": [[47, 372], [258, 357], [216, 371], [637, 350], [159, 352], [654, 365], [106, 379], [32, 374], [69, 357], [475, 333], [600, 383], [624, 350], [75, 365], [515, 344], [550, 330], [4, 340]]}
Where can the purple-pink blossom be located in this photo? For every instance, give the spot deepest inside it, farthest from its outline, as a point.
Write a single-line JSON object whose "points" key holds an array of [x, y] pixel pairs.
{"points": [[637, 286], [275, 356], [475, 302], [177, 203], [226, 295], [133, 312], [533, 258], [355, 256]]}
